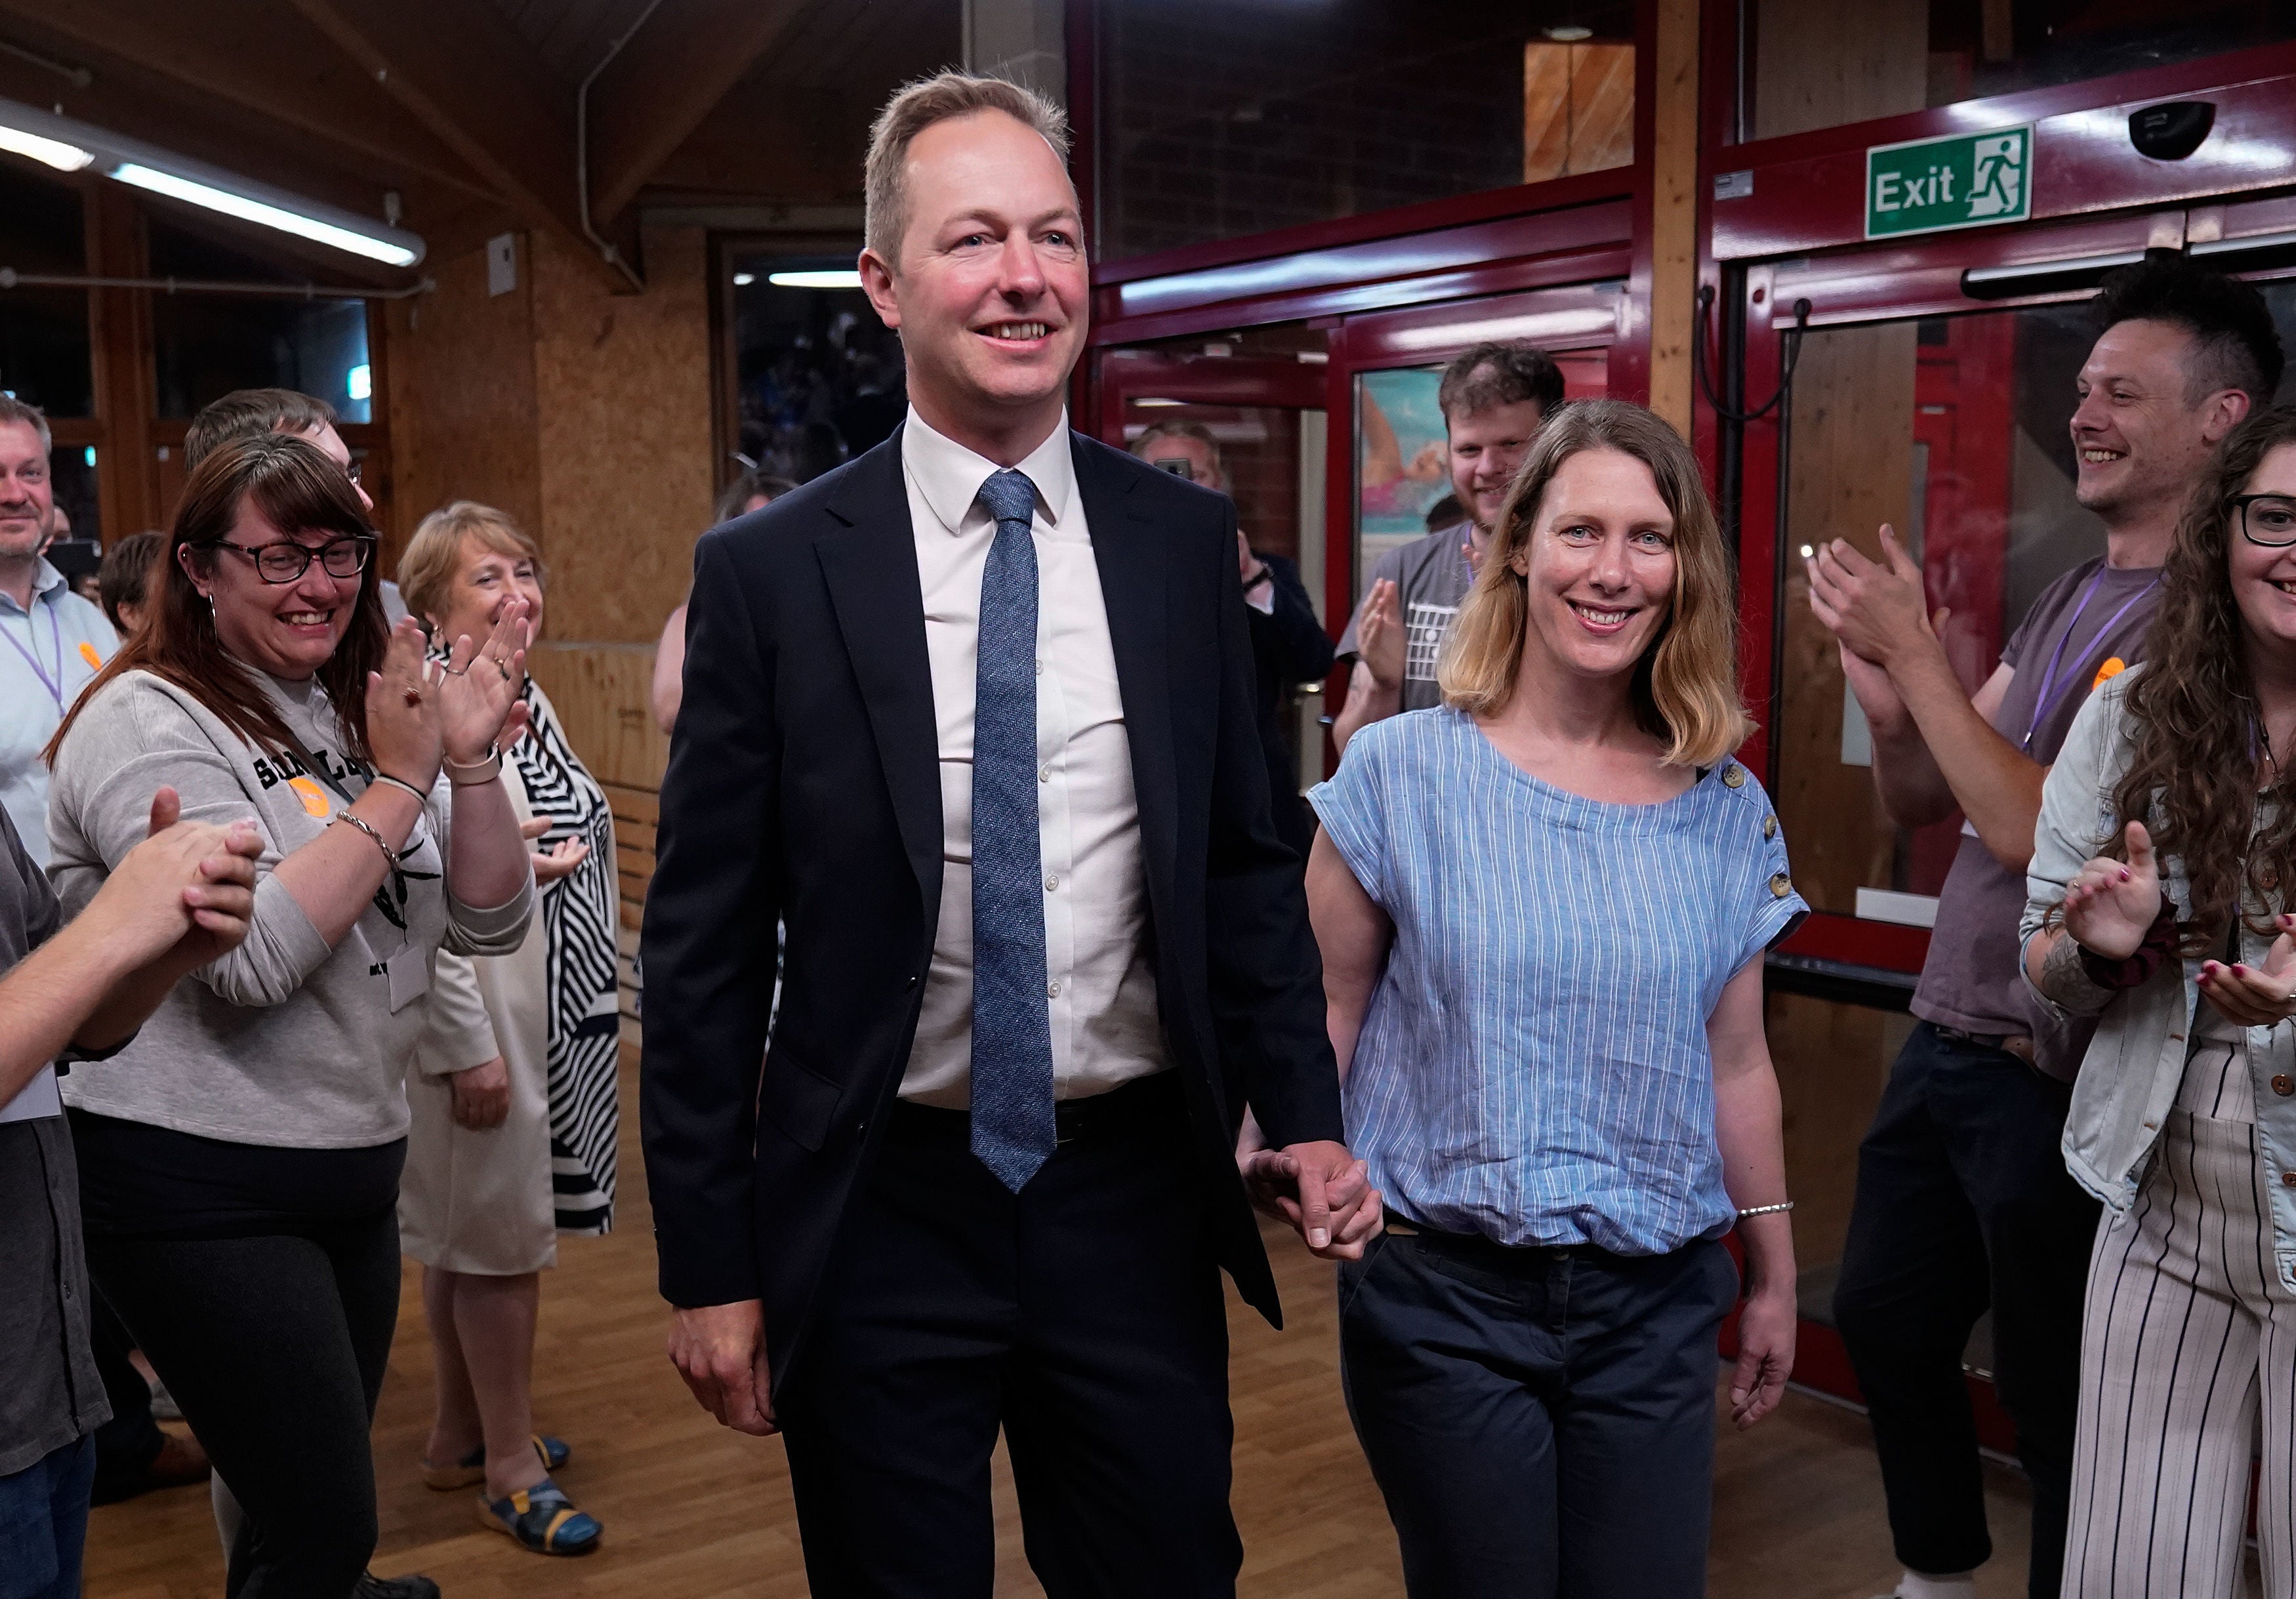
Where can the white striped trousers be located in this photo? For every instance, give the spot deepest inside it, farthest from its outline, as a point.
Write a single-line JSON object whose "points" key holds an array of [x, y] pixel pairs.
{"points": [[2187, 1340]]}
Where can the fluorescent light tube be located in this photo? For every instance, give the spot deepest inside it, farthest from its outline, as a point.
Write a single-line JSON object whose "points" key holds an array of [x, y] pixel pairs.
{"points": [[269, 216], [55, 153], [845, 279]]}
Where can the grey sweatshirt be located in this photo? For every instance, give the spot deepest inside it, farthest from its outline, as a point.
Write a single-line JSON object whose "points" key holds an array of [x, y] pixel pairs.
{"points": [[283, 1041]]}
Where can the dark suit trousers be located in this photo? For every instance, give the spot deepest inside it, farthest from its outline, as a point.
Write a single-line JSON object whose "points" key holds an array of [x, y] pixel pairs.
{"points": [[1083, 1315]]}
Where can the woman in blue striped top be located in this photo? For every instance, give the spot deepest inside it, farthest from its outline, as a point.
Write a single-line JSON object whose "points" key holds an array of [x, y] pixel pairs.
{"points": [[1543, 907]]}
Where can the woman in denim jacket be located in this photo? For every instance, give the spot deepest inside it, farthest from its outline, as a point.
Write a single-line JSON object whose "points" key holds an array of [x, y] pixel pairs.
{"points": [[2168, 832]]}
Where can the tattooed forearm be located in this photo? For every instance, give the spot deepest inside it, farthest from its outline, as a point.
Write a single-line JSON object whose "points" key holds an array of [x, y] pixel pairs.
{"points": [[2066, 981]]}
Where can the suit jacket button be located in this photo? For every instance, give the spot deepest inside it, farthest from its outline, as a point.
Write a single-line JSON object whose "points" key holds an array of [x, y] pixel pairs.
{"points": [[2283, 1084]]}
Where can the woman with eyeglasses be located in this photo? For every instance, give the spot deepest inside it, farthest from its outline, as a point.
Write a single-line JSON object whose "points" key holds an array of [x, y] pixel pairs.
{"points": [[2160, 895], [240, 1159]]}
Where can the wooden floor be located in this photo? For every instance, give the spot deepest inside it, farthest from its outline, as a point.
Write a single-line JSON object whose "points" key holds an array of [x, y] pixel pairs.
{"points": [[693, 1510]]}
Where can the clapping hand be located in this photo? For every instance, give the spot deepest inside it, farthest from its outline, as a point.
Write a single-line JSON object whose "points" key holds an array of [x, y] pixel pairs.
{"points": [[2251, 996], [1379, 635], [1876, 609], [479, 702], [186, 891], [558, 861], [2110, 905]]}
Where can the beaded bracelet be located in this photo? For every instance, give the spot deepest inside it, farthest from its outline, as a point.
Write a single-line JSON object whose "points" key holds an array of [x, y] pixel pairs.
{"points": [[1765, 1209]]}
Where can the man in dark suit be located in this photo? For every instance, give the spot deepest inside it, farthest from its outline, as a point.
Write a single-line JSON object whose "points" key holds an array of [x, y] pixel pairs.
{"points": [[972, 715]]}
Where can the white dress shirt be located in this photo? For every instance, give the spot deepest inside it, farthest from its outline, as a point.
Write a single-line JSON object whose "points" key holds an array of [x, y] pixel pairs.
{"points": [[1100, 989]]}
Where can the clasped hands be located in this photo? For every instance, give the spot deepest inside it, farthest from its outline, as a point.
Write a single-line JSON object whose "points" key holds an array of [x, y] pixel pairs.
{"points": [[2110, 904]]}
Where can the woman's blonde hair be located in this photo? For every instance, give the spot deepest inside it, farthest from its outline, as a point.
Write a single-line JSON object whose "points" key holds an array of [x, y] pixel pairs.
{"points": [[426, 571], [1685, 686]]}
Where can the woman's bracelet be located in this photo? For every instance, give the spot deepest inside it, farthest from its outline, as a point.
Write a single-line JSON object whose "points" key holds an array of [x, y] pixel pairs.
{"points": [[478, 773], [366, 827], [1765, 1210], [2157, 949], [420, 796]]}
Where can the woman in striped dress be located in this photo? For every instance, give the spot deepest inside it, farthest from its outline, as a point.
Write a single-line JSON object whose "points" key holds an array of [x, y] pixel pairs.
{"points": [[513, 1105], [2158, 902]]}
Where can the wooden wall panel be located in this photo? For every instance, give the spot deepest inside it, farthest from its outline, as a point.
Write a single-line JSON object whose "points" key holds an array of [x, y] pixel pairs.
{"points": [[1832, 1062], [1819, 64], [460, 380], [622, 383], [600, 693], [1851, 471]]}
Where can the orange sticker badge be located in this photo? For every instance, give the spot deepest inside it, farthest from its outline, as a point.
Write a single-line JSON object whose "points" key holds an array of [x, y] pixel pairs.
{"points": [[87, 653], [314, 800], [2113, 668]]}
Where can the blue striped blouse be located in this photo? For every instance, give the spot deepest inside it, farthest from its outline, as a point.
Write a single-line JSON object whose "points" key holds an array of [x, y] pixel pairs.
{"points": [[1533, 1066]]}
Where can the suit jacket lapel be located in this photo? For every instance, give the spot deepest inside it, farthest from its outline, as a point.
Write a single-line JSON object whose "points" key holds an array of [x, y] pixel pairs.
{"points": [[1134, 560], [870, 565]]}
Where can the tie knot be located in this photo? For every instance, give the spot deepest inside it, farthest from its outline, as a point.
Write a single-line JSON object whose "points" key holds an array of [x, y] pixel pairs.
{"points": [[1009, 496]]}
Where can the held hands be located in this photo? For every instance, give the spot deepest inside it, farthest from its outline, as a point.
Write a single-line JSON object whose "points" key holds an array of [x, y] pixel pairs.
{"points": [[2250, 998], [1877, 609], [1321, 1190], [186, 892], [2110, 904], [1379, 635], [482, 1095], [560, 861], [1765, 1357], [720, 1351]]}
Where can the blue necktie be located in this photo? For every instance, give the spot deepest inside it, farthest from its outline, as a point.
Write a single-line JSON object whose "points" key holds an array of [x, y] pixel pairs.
{"points": [[1011, 1029]]}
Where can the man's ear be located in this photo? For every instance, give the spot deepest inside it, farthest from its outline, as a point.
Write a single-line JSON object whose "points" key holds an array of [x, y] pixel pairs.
{"points": [[2222, 412], [877, 281]]}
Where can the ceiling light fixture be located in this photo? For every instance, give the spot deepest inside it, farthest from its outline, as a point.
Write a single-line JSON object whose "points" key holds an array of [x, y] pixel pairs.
{"points": [[843, 278], [72, 146], [743, 279], [54, 152], [1570, 33]]}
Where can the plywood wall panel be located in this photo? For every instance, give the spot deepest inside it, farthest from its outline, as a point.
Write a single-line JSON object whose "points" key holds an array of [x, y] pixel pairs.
{"points": [[622, 382], [1819, 64], [460, 376], [599, 691]]}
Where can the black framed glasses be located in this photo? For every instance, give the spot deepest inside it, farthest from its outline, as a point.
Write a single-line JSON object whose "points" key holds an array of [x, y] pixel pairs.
{"points": [[285, 561], [2266, 519]]}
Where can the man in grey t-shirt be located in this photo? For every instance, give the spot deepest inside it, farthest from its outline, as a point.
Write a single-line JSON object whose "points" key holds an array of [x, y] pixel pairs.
{"points": [[1963, 1202], [179, 900], [1494, 398]]}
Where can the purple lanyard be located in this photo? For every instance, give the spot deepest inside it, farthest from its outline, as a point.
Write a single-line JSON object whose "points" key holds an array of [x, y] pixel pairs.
{"points": [[55, 685], [2054, 688]]}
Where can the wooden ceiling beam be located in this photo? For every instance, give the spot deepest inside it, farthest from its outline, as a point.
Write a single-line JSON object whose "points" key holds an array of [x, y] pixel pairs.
{"points": [[665, 81], [464, 73], [302, 83]]}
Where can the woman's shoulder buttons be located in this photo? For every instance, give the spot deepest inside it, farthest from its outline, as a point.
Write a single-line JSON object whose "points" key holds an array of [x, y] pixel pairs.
{"points": [[1770, 825], [1734, 776], [1781, 885]]}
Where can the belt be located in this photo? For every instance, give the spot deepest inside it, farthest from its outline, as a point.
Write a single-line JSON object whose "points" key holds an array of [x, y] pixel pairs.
{"points": [[2009, 1043], [1144, 1102]]}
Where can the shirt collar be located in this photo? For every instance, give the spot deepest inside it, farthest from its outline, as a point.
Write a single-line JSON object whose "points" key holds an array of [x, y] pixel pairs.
{"points": [[45, 580], [949, 476]]}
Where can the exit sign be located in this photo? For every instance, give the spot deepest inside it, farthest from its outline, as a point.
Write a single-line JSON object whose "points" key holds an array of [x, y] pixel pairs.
{"points": [[1962, 180]]}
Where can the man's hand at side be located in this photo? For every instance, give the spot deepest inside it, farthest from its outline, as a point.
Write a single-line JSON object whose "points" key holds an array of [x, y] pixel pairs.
{"points": [[1323, 1191], [720, 1351]]}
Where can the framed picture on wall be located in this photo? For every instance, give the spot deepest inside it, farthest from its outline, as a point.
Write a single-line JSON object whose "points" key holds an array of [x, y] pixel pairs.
{"points": [[1402, 463]]}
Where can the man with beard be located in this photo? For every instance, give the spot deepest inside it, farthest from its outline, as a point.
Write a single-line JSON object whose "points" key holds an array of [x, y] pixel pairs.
{"points": [[1493, 398], [54, 641], [1964, 1202]]}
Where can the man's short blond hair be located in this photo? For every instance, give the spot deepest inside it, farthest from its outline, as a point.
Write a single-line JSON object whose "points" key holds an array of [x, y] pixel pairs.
{"points": [[914, 108]]}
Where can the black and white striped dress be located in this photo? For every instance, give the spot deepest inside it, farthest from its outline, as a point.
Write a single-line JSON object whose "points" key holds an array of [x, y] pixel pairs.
{"points": [[580, 916]]}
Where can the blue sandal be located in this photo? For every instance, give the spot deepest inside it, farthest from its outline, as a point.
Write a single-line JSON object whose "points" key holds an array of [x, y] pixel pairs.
{"points": [[472, 1469], [541, 1519]]}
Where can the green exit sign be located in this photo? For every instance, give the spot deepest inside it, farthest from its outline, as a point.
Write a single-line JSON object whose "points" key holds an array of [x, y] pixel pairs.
{"points": [[1962, 180]]}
